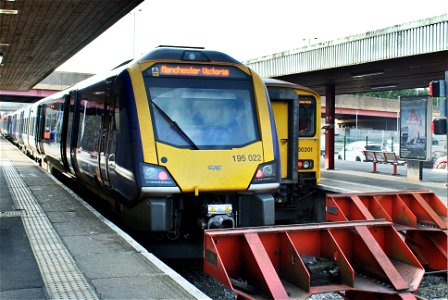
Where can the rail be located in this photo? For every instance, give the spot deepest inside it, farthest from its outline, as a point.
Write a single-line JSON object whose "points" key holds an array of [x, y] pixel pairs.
{"points": [[383, 157]]}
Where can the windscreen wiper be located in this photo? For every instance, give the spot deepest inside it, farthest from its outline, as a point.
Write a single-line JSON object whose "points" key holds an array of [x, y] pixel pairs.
{"points": [[175, 125]]}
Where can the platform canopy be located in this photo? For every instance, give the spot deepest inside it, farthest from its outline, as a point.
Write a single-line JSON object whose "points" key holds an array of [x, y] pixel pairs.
{"points": [[36, 37]]}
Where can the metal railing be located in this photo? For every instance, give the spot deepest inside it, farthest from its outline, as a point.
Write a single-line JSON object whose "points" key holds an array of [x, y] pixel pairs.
{"points": [[419, 37]]}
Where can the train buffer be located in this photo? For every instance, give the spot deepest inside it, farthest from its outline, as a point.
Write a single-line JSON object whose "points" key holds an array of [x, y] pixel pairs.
{"points": [[296, 261], [419, 216]]}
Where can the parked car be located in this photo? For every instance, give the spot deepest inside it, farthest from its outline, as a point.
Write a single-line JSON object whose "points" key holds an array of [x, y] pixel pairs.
{"points": [[393, 148], [440, 163], [353, 151]]}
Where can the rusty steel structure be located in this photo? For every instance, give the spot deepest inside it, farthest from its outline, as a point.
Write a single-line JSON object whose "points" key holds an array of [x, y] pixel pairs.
{"points": [[373, 246], [419, 216], [294, 262]]}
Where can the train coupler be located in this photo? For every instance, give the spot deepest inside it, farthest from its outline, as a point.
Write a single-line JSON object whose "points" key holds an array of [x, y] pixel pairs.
{"points": [[218, 216]]}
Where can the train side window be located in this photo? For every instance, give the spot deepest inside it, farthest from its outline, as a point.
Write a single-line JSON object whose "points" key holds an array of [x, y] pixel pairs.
{"points": [[91, 112], [53, 121]]}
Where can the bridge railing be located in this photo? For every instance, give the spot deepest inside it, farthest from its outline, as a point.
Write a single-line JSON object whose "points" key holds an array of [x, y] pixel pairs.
{"points": [[419, 37]]}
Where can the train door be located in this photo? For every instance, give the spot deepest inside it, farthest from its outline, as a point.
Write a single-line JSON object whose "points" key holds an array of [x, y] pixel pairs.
{"points": [[107, 136], [280, 109], [26, 130], [21, 127], [73, 108], [285, 107], [40, 117], [66, 134]]}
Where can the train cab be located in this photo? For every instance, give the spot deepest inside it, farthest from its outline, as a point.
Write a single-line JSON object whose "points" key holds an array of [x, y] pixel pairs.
{"points": [[297, 112]]}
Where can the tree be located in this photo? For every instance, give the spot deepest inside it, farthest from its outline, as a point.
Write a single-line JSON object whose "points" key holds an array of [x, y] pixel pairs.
{"points": [[395, 94]]}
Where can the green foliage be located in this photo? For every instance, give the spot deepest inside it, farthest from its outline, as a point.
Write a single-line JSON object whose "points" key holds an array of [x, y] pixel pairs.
{"points": [[395, 94]]}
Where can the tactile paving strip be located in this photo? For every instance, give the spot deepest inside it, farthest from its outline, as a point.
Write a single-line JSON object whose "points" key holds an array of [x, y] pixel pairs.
{"points": [[62, 278]]}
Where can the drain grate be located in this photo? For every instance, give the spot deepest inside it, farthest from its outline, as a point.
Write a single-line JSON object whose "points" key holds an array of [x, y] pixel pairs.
{"points": [[62, 278]]}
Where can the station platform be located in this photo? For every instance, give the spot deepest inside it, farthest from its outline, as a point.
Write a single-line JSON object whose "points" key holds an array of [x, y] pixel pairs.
{"points": [[357, 177], [53, 245]]}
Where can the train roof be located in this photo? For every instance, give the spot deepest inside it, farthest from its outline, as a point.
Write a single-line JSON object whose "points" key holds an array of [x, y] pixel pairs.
{"points": [[281, 83], [163, 53], [187, 54], [193, 54]]}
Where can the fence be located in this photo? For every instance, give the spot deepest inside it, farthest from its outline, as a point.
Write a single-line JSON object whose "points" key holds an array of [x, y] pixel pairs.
{"points": [[388, 140]]}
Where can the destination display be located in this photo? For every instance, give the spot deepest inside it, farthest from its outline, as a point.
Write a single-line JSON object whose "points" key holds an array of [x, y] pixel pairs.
{"points": [[195, 71]]}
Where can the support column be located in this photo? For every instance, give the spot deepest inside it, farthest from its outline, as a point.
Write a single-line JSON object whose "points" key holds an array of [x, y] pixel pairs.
{"points": [[330, 100], [445, 106]]}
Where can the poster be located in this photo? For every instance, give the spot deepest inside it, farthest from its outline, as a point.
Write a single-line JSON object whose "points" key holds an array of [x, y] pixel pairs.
{"points": [[415, 135]]}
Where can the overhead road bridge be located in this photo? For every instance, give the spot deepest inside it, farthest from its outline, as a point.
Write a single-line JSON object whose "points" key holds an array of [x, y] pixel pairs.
{"points": [[399, 57]]}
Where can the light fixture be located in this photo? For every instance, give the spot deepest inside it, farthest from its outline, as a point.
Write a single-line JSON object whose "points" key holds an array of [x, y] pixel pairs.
{"points": [[1, 58], [9, 11], [383, 87], [373, 73]]}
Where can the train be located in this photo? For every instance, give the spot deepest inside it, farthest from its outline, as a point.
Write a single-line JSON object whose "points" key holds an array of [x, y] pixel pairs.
{"points": [[182, 139], [297, 113], [179, 139]]}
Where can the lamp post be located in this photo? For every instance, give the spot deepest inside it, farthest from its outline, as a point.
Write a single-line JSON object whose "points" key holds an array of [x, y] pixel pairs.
{"points": [[134, 34], [309, 40]]}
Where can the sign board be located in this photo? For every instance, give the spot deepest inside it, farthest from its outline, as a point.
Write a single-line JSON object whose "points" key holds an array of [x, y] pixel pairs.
{"points": [[415, 131]]}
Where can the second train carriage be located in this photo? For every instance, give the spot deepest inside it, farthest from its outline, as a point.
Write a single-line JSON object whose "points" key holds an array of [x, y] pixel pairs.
{"points": [[297, 111], [176, 140]]}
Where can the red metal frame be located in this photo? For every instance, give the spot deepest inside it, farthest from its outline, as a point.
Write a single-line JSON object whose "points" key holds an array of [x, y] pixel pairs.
{"points": [[421, 210], [430, 247], [270, 262], [420, 216]]}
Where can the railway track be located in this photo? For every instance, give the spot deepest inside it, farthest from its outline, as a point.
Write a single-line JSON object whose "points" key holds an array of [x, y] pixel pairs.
{"points": [[434, 285]]}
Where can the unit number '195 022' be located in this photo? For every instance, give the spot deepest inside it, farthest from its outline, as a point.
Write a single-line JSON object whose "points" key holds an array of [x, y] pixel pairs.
{"points": [[243, 157]]}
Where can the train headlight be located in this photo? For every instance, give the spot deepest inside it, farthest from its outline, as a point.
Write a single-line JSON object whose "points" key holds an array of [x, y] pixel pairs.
{"points": [[153, 175], [305, 164], [266, 173]]}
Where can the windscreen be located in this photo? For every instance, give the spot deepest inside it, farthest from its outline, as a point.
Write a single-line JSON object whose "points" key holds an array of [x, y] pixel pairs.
{"points": [[211, 110], [307, 116], [307, 109]]}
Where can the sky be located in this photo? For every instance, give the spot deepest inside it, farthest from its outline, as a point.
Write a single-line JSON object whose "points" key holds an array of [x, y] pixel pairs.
{"points": [[244, 29]]}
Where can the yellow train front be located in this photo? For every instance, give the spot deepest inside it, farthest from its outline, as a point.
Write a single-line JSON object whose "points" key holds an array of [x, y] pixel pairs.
{"points": [[178, 140], [206, 142]]}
